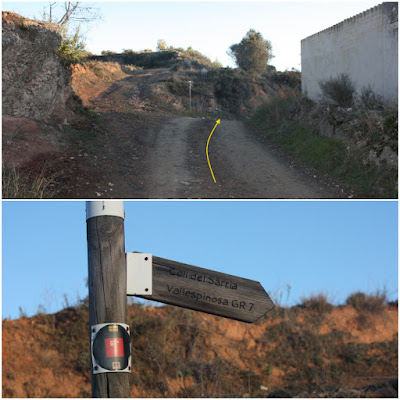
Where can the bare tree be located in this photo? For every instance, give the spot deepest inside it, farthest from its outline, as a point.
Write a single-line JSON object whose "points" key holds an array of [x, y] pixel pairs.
{"points": [[72, 11], [71, 16]]}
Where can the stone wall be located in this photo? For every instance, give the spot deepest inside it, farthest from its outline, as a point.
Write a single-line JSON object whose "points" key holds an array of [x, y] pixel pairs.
{"points": [[35, 84], [364, 46]]}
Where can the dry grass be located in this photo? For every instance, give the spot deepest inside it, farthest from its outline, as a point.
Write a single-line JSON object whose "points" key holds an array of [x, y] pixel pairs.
{"points": [[16, 185], [372, 303], [317, 302]]}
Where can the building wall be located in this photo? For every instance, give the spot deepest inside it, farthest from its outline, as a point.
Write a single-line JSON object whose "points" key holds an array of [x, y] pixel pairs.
{"points": [[364, 46]]}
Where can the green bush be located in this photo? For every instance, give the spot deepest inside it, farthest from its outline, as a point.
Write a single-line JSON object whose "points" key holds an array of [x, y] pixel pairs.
{"points": [[197, 59], [178, 88], [253, 53], [108, 53], [128, 51], [340, 90], [149, 59], [279, 109], [232, 89], [287, 78], [365, 302], [217, 64], [161, 45], [72, 49]]}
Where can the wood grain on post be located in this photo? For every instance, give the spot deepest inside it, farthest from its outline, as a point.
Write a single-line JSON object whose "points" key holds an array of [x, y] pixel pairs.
{"points": [[107, 291]]}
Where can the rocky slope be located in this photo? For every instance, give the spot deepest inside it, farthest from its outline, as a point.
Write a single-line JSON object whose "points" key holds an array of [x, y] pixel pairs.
{"points": [[36, 89], [35, 84]]}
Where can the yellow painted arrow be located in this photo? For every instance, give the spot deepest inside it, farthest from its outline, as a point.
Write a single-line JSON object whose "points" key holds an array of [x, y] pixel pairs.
{"points": [[208, 141]]}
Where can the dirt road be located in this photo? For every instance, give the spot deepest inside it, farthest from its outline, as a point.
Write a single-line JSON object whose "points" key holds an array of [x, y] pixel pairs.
{"points": [[242, 165], [149, 154]]}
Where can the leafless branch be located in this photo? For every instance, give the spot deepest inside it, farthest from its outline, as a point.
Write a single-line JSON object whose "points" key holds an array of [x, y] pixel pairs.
{"points": [[74, 11]]}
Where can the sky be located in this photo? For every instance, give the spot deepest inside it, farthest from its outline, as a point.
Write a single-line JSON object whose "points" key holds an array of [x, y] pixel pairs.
{"points": [[293, 248], [209, 27]]}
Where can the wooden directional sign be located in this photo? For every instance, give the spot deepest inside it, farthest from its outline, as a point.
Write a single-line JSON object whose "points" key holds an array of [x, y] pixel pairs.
{"points": [[209, 291]]}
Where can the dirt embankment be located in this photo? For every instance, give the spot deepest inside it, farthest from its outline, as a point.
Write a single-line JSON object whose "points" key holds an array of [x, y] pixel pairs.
{"points": [[92, 78], [180, 353]]}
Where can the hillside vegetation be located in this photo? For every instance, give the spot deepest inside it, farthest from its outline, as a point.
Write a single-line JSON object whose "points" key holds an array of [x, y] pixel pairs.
{"points": [[356, 144], [234, 92], [176, 58], [311, 350]]}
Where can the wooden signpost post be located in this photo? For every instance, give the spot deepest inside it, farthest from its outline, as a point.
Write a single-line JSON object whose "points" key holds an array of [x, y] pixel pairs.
{"points": [[107, 293], [114, 275]]}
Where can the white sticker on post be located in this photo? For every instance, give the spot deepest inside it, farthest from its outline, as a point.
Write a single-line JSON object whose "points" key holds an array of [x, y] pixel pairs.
{"points": [[139, 279]]}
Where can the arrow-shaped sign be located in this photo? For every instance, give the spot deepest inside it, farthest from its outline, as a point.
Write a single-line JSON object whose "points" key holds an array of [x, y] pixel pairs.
{"points": [[201, 289]]}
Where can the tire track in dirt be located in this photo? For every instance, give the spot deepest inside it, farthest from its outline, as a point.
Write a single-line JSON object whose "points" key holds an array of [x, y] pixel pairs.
{"points": [[239, 156], [168, 170]]}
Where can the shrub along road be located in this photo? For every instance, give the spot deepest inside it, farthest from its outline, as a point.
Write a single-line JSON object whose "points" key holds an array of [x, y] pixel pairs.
{"points": [[149, 152]]}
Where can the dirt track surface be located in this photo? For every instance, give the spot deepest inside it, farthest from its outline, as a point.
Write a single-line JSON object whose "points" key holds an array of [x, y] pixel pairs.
{"points": [[242, 165], [149, 153]]}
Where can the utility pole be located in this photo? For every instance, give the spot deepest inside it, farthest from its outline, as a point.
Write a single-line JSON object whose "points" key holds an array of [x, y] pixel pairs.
{"points": [[107, 294], [190, 95]]}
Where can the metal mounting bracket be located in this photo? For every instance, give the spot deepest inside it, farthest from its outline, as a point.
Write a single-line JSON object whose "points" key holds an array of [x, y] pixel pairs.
{"points": [[139, 277]]}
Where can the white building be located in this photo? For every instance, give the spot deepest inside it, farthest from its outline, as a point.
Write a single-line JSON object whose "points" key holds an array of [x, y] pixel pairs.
{"points": [[364, 46]]}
